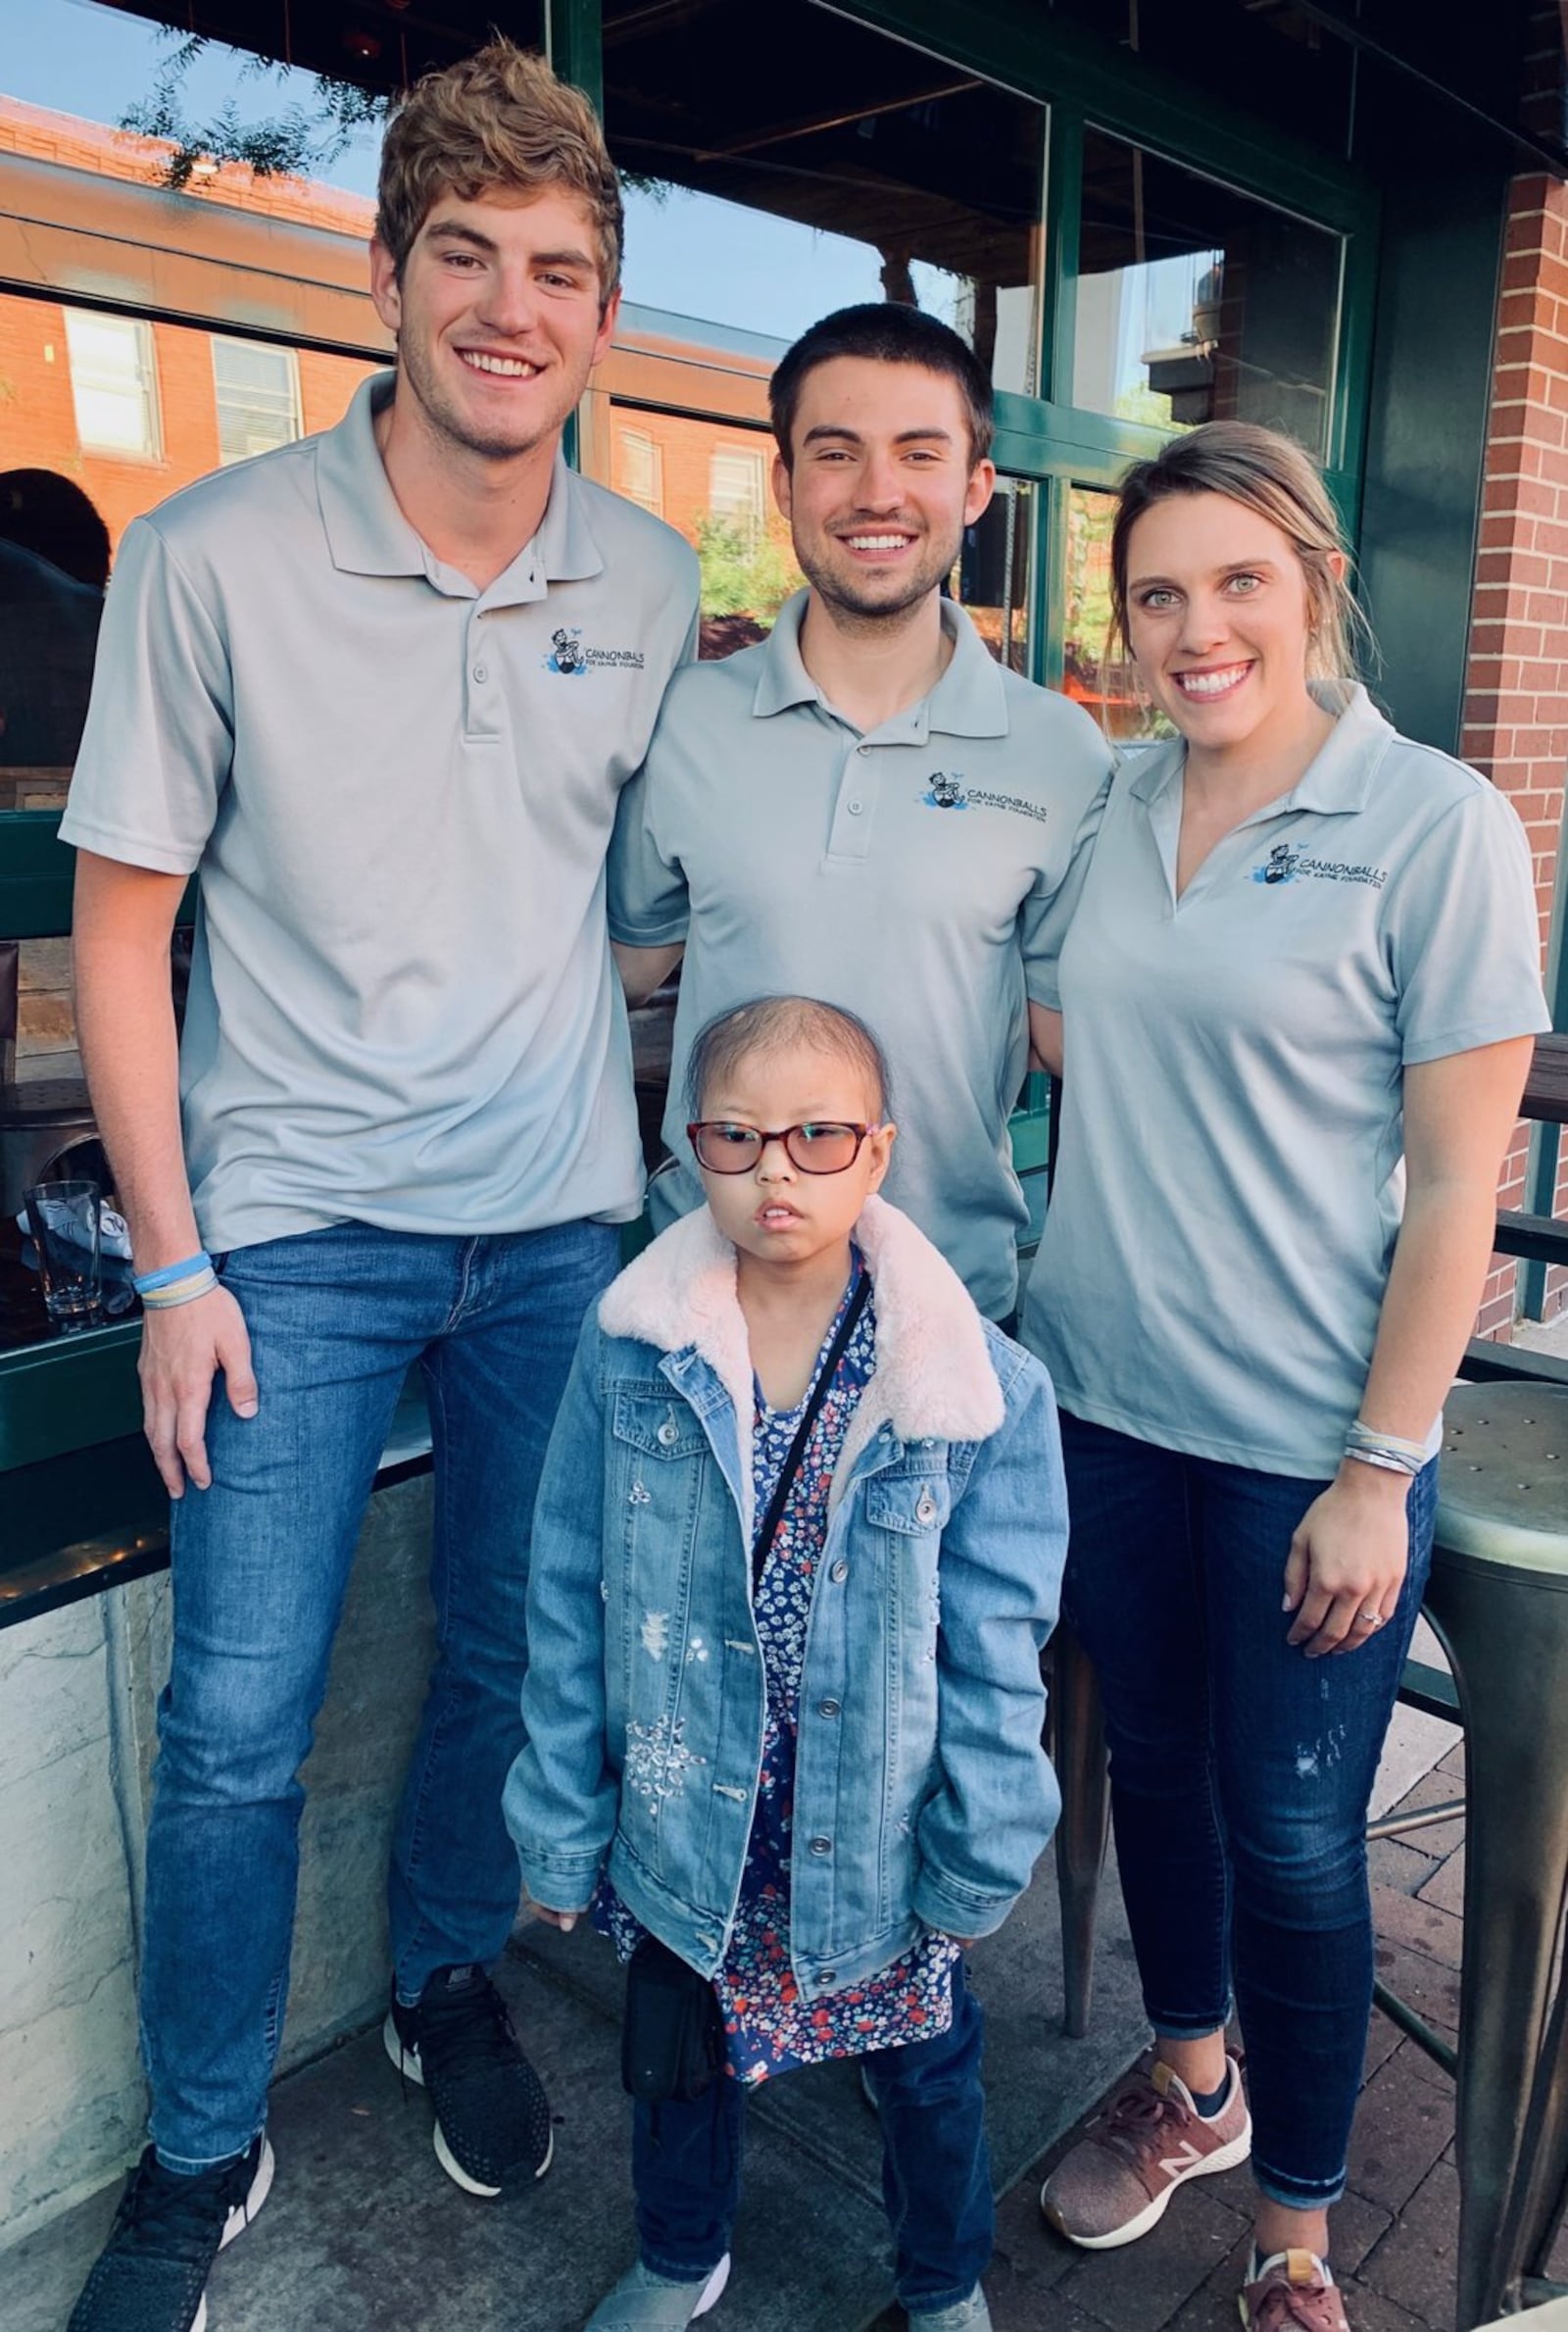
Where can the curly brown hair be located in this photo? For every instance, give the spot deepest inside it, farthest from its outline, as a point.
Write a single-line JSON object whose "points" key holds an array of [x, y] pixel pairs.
{"points": [[500, 118]]}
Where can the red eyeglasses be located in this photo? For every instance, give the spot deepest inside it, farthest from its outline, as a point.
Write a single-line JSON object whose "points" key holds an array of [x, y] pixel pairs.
{"points": [[825, 1146]]}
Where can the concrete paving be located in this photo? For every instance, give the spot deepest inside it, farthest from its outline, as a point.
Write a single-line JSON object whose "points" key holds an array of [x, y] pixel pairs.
{"points": [[363, 2232]]}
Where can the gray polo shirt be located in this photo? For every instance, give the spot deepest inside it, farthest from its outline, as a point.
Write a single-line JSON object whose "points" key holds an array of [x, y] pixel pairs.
{"points": [[917, 875], [399, 791], [1230, 1180]]}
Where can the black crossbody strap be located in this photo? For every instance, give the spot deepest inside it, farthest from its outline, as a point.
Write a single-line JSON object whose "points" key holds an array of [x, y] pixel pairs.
{"points": [[819, 1392]]}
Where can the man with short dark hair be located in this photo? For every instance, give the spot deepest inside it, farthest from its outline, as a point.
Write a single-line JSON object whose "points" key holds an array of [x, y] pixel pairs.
{"points": [[333, 680], [866, 807]]}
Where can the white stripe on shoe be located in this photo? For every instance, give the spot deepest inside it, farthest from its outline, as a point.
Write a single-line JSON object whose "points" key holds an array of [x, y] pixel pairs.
{"points": [[239, 2218]]}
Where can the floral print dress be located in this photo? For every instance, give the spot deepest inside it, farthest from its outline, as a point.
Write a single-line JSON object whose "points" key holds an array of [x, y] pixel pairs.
{"points": [[770, 2028]]}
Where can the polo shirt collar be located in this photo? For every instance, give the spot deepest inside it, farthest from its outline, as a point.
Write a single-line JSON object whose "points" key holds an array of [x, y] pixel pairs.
{"points": [[968, 701], [367, 533], [1337, 778]]}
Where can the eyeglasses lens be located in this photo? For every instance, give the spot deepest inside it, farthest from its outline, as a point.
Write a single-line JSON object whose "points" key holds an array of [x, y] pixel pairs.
{"points": [[822, 1148], [818, 1149]]}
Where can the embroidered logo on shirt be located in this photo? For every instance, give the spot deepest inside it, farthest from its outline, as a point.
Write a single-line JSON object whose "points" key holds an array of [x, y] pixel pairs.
{"points": [[573, 659], [1288, 862], [945, 790]]}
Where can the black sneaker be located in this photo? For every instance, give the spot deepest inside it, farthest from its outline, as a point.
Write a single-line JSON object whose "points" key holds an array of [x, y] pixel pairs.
{"points": [[492, 2117], [151, 2275]]}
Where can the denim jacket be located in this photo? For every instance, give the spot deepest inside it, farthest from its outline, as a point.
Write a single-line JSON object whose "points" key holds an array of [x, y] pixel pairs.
{"points": [[923, 1794]]}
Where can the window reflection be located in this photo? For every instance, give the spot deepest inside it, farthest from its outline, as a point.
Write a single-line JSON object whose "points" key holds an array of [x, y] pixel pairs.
{"points": [[764, 194], [1106, 686], [996, 573], [258, 394], [114, 384], [1195, 303]]}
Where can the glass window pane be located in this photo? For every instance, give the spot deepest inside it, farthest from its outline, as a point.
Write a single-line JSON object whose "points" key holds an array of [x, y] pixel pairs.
{"points": [[111, 384], [715, 487], [1274, 59], [850, 168], [1106, 687], [735, 490], [994, 578], [258, 393], [1195, 303], [640, 471]]}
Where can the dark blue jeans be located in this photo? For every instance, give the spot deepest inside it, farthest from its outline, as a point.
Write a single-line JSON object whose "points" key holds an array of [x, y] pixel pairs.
{"points": [[260, 1562], [936, 2167], [1240, 1774]]}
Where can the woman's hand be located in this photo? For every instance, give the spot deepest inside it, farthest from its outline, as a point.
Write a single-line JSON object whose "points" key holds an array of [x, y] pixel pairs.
{"points": [[1348, 1560], [565, 1921]]}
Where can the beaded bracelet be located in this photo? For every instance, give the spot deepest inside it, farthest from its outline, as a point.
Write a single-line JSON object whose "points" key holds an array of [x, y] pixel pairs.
{"points": [[148, 1283]]}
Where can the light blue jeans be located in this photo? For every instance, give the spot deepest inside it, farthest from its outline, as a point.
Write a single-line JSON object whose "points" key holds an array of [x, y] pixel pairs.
{"points": [[260, 1562]]}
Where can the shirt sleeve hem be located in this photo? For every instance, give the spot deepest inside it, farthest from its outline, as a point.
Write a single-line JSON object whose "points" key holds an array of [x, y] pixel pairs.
{"points": [[1419, 1050], [668, 935], [129, 850], [1040, 991]]}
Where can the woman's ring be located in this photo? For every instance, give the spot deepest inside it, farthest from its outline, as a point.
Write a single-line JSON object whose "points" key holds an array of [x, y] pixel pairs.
{"points": [[1370, 1618]]}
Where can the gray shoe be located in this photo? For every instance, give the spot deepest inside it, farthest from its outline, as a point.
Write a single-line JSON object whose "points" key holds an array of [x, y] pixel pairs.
{"points": [[964, 2316], [643, 2302]]}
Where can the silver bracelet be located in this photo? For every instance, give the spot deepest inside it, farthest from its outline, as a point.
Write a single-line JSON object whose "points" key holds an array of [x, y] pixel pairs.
{"points": [[1363, 1436], [1386, 1461]]}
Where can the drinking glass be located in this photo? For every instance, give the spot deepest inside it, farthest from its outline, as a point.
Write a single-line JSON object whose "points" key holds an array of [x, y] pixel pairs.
{"points": [[64, 1219]]}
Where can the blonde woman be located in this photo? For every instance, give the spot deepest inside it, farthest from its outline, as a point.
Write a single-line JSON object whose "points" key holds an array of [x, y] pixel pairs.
{"points": [[1297, 999]]}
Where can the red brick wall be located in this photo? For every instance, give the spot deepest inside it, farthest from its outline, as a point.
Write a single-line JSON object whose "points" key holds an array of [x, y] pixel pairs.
{"points": [[40, 418], [1516, 701], [77, 144]]}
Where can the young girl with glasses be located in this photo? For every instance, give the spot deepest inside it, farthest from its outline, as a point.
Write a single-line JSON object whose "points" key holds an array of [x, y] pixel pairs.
{"points": [[797, 1549], [1298, 998]]}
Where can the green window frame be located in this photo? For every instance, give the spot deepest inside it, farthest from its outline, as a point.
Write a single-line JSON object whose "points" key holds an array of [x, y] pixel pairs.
{"points": [[1087, 86], [54, 1398]]}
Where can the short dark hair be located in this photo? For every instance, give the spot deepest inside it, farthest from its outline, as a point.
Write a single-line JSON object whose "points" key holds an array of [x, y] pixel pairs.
{"points": [[767, 1024], [889, 334]]}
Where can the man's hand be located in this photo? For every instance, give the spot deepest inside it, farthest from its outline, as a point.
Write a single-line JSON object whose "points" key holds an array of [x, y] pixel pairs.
{"points": [[182, 1349], [1348, 1561]]}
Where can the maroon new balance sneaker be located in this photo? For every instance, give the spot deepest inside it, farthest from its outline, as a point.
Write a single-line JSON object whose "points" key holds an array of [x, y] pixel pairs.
{"points": [[1292, 2291], [1117, 2180]]}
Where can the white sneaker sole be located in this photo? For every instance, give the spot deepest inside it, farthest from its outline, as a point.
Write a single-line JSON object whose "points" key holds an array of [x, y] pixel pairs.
{"points": [[239, 2218], [408, 2064], [1225, 2158], [711, 2294], [712, 2289]]}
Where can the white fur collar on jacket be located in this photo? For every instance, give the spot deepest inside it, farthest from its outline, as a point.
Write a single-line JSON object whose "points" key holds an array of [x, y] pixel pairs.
{"points": [[934, 1374]]}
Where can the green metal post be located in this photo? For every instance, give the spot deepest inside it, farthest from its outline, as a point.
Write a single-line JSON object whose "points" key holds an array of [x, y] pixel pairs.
{"points": [[574, 45]]}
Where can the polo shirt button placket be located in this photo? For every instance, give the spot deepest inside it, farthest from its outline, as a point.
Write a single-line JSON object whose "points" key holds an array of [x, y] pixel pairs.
{"points": [[851, 828]]}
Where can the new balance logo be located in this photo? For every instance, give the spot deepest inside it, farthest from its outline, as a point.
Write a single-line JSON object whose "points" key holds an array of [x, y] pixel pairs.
{"points": [[1177, 2166]]}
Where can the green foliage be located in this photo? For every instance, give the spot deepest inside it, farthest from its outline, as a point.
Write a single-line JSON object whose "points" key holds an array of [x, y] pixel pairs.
{"points": [[1140, 403], [295, 143], [742, 576]]}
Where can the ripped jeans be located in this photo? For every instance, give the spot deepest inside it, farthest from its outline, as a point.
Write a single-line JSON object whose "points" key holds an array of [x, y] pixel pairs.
{"points": [[1241, 1772]]}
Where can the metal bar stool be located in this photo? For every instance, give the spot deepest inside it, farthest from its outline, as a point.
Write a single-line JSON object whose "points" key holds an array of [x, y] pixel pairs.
{"points": [[1498, 1599]]}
